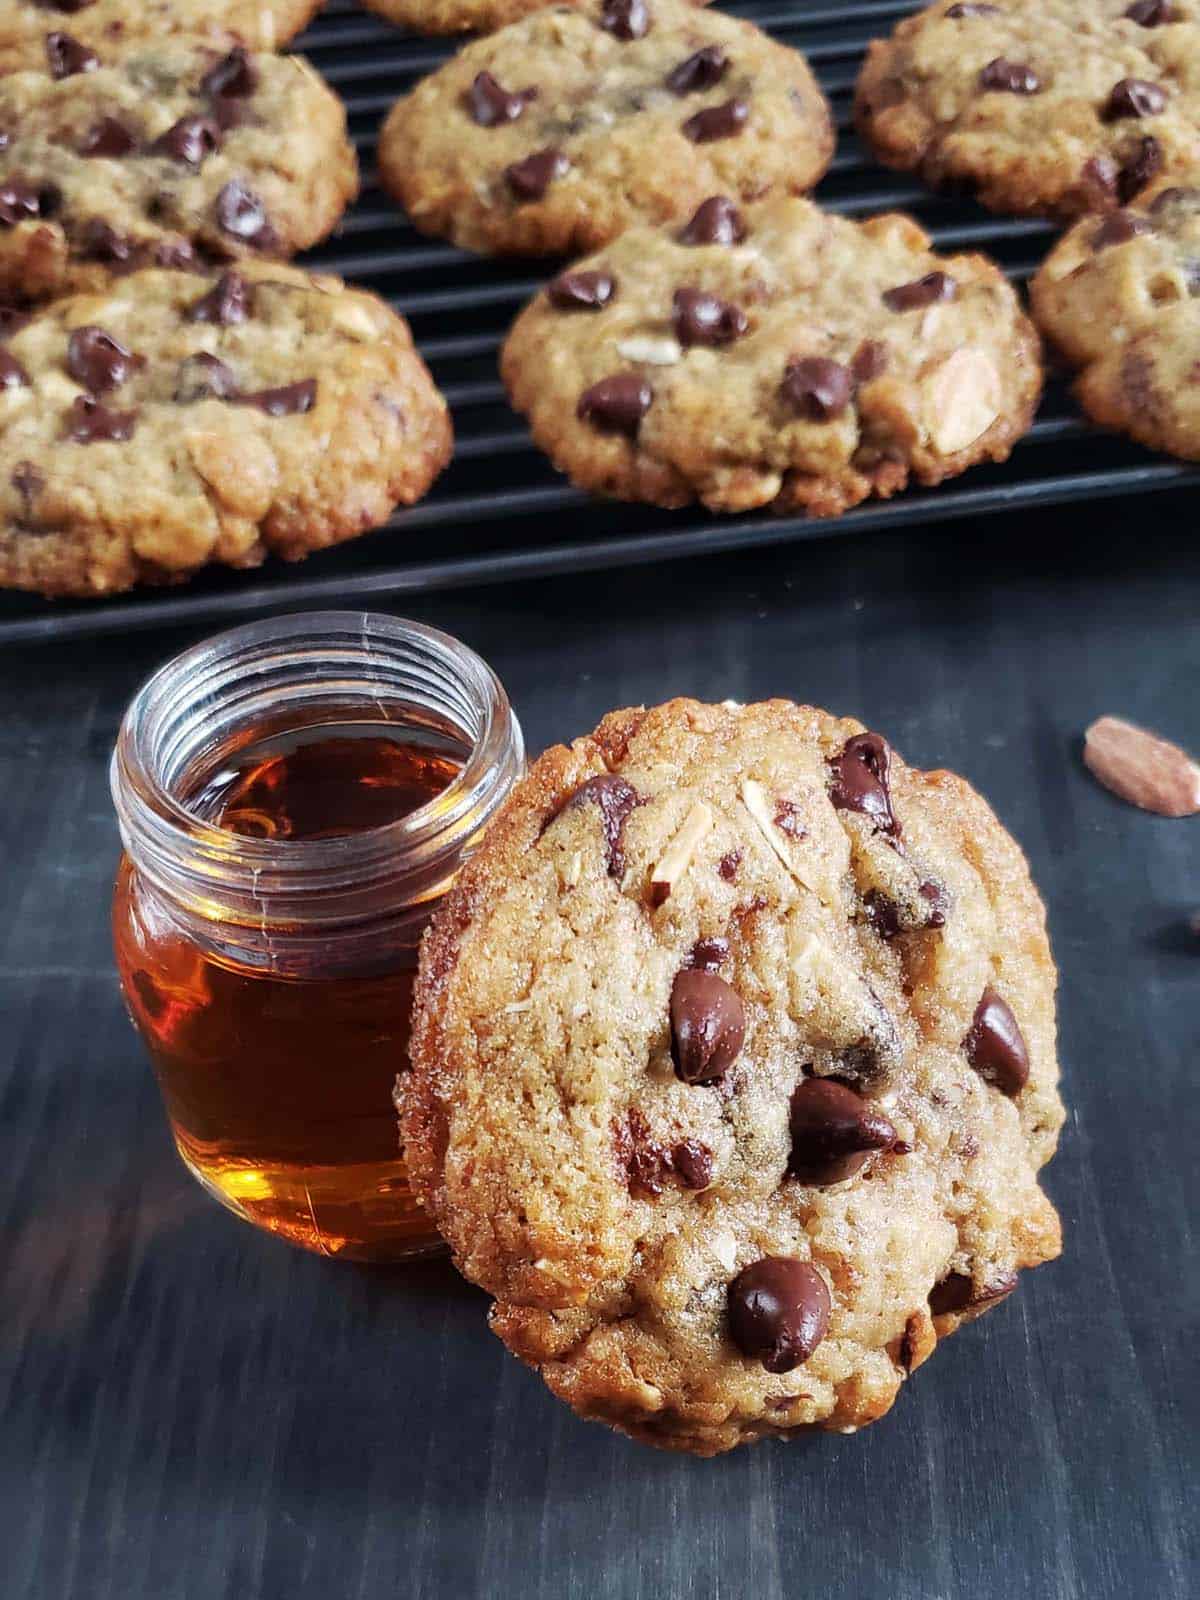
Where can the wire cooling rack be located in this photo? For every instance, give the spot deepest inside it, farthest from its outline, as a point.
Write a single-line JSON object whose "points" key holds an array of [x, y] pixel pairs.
{"points": [[500, 512]]}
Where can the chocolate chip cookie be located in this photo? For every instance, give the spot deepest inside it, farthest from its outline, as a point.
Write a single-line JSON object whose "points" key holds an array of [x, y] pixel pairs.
{"points": [[1050, 106], [171, 156], [31, 30], [559, 131], [733, 1070], [176, 420], [772, 354], [460, 16], [1119, 296]]}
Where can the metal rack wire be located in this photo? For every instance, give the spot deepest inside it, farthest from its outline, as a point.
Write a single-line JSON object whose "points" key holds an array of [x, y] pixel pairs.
{"points": [[500, 512]]}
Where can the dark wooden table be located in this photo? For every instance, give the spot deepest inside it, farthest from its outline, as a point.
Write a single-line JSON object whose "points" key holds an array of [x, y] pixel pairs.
{"points": [[193, 1411]]}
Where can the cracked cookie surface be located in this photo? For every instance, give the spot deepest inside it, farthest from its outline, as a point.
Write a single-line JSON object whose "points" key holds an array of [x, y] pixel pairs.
{"points": [[175, 420], [1119, 296], [558, 132], [733, 1067], [1048, 106], [773, 353], [172, 156]]}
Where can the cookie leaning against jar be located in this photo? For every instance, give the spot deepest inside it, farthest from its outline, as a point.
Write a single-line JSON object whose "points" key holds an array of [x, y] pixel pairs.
{"points": [[556, 133], [467, 16], [30, 29], [1046, 106], [1117, 296], [169, 156], [733, 1068], [773, 354], [174, 420]]}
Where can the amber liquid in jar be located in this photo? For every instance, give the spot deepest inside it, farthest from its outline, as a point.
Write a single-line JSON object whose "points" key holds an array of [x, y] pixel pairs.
{"points": [[279, 1089]]}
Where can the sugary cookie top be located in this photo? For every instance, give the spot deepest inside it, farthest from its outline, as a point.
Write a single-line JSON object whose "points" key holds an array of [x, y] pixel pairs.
{"points": [[461, 16], [730, 987]]}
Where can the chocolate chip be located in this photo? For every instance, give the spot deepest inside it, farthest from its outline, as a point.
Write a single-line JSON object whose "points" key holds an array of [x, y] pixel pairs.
{"points": [[956, 1292], [177, 254], [235, 76], [882, 913], [108, 137], [229, 301], [98, 361], [1139, 167], [700, 71], [860, 781], [645, 1162], [787, 819], [1151, 13], [99, 241], [701, 318], [708, 954], [69, 6], [1134, 97], [1119, 228], [817, 388], [716, 122], [869, 361], [490, 104], [615, 799], [242, 214], [693, 1162], [529, 179], [938, 901], [581, 291], [729, 864], [191, 139], [625, 19], [995, 1046], [21, 201], [1185, 201], [66, 56], [1010, 77], [204, 377], [833, 1131], [778, 1311], [289, 400], [11, 320], [90, 422], [708, 1026], [934, 286], [969, 8], [12, 373], [716, 221], [616, 404], [28, 482]]}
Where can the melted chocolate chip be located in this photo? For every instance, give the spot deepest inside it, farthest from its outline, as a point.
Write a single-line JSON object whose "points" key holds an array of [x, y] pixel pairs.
{"points": [[191, 139], [108, 137], [715, 221], [882, 913], [66, 56], [708, 1026], [616, 404], [717, 122], [833, 1131], [69, 6], [937, 900], [700, 71], [701, 318], [1151, 13], [778, 1311], [956, 1292], [615, 799], [860, 781], [289, 400], [529, 179], [817, 388], [177, 254], [90, 422], [234, 76], [1134, 97], [644, 1161], [490, 104], [1139, 167], [729, 864], [98, 361], [995, 1046], [12, 373], [230, 300], [787, 819], [1009, 77], [970, 8], [625, 19], [581, 291], [934, 286], [870, 361], [693, 1162], [708, 954], [98, 241], [1119, 228], [204, 377], [11, 320], [242, 214], [21, 202]]}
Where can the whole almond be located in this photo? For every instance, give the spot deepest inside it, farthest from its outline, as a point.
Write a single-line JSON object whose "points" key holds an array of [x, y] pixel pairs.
{"points": [[1142, 768]]}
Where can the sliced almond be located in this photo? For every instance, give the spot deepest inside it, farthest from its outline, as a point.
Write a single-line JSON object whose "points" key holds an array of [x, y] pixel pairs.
{"points": [[654, 352], [678, 855], [1142, 768], [570, 876], [758, 803], [515, 1007], [961, 400]]}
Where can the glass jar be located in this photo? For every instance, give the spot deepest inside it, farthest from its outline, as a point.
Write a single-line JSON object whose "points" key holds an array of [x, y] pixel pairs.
{"points": [[266, 921]]}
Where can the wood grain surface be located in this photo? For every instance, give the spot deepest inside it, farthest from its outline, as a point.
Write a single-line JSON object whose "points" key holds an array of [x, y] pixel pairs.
{"points": [[191, 1411]]}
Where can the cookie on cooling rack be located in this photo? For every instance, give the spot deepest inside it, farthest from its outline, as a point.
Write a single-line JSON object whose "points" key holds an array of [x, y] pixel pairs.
{"points": [[173, 155], [31, 31], [1049, 106], [733, 1067], [561, 130], [1118, 296], [773, 354], [462, 16], [176, 420]]}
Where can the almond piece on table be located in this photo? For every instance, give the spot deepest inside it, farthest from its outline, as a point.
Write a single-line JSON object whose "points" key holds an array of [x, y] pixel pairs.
{"points": [[1142, 768]]}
